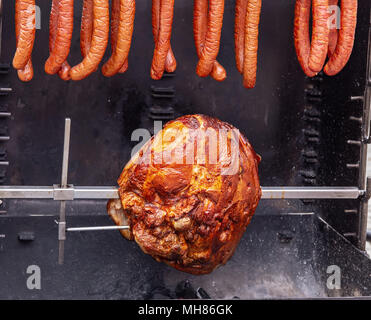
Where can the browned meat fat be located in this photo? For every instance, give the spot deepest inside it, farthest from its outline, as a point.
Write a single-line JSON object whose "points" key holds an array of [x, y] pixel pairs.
{"points": [[189, 193]]}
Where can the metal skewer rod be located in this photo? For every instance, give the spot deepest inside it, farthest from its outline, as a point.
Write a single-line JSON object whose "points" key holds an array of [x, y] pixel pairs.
{"points": [[267, 193], [62, 212], [66, 152], [104, 193], [105, 228]]}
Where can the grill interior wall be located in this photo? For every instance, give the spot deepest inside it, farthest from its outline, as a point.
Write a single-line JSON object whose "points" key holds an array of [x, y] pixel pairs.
{"points": [[280, 116]]}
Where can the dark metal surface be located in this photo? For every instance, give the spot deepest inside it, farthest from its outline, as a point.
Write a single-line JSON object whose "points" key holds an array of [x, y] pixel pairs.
{"points": [[292, 122], [279, 256], [300, 127], [106, 111]]}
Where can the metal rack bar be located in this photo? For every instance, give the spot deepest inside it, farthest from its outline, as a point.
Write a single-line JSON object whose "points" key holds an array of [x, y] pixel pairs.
{"points": [[105, 228], [311, 193], [95, 193], [62, 211], [267, 193]]}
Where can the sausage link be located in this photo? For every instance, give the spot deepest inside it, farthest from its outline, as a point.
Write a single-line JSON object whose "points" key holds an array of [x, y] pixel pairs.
{"points": [[320, 35], [345, 43], [53, 27], [124, 67], [64, 72], [239, 32], [86, 30], [98, 44], [122, 41], [212, 40], [200, 9], [301, 35], [25, 19], [26, 74], [170, 62], [199, 30], [332, 42], [251, 43], [53, 23], [63, 36], [162, 45], [115, 19], [333, 35], [218, 73]]}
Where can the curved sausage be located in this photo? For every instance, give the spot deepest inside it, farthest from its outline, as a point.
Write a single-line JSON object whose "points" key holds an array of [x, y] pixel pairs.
{"points": [[87, 24], [64, 72], [345, 43], [26, 74], [124, 67], [200, 9], [170, 62], [162, 45], [199, 30], [53, 27], [212, 40], [122, 41], [251, 43], [25, 19], [218, 73], [239, 32], [98, 44], [333, 35], [63, 37], [332, 42], [301, 35], [86, 30], [320, 35], [115, 19]]}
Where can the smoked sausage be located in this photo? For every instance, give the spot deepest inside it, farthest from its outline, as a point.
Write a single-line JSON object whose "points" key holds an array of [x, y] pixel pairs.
{"points": [[26, 74], [162, 46], [98, 44], [212, 39], [251, 43], [320, 35], [345, 41], [301, 35], [200, 14], [239, 33], [333, 35], [122, 40], [63, 36], [25, 21], [170, 63], [64, 72]]}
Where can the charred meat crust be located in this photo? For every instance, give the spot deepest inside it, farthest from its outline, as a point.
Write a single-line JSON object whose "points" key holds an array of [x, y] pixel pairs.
{"points": [[189, 216]]}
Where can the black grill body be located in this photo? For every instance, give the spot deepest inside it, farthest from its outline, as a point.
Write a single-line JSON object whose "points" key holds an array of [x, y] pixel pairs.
{"points": [[301, 127]]}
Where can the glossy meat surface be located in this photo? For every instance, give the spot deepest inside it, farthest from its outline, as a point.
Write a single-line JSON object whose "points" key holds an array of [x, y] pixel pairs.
{"points": [[189, 193]]}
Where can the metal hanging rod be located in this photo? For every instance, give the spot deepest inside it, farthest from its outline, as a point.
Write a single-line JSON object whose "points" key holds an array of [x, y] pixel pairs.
{"points": [[71, 192]]}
